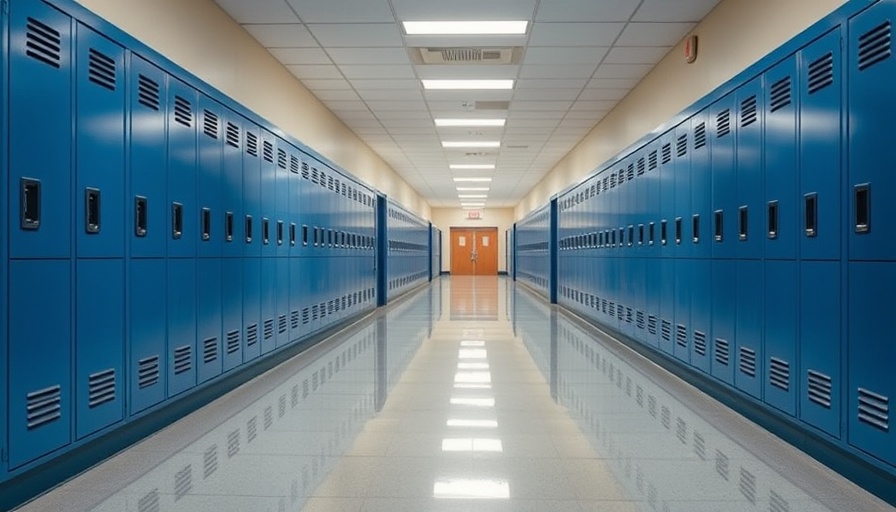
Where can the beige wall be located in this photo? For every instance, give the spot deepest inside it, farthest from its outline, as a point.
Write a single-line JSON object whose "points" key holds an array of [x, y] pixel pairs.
{"points": [[446, 218], [203, 39], [736, 34]]}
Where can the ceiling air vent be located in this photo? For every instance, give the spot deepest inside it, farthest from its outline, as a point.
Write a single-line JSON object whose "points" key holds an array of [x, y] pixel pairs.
{"points": [[466, 55]]}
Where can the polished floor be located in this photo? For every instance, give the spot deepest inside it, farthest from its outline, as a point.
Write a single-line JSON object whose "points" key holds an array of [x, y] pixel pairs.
{"points": [[469, 395]]}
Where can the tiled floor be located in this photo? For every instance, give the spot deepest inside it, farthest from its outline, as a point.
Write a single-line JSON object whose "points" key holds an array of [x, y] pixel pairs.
{"points": [[469, 395]]}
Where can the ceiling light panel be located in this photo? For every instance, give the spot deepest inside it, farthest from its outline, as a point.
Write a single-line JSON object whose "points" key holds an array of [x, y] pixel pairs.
{"points": [[468, 84], [462, 167], [472, 180], [472, 189], [435, 28], [470, 122], [472, 196], [471, 144]]}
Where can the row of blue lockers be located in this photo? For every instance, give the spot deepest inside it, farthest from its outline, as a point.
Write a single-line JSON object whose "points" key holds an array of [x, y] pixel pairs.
{"points": [[165, 238], [742, 241]]}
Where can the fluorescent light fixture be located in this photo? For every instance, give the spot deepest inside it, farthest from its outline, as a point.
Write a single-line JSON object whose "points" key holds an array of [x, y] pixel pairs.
{"points": [[470, 122], [473, 377], [473, 402], [472, 386], [471, 144], [472, 189], [442, 28], [466, 423], [472, 353], [472, 445], [472, 343], [463, 167], [472, 196], [472, 180], [468, 84], [471, 489], [472, 366]]}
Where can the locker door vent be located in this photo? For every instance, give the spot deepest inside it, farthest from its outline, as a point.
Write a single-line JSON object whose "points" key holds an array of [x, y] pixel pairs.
{"points": [[781, 94], [268, 151], [210, 124], [233, 443], [747, 362], [666, 330], [612, 309], [281, 324], [722, 465], [183, 113], [306, 173], [667, 153], [251, 144], [281, 406], [651, 324], [723, 123], [820, 387], [314, 175], [101, 388], [269, 414], [652, 160], [723, 351], [183, 359], [183, 482], [294, 393], [233, 341], [149, 502], [681, 335], [748, 485], [628, 315], [821, 73], [777, 503], [233, 135], [251, 429], [666, 417], [252, 335], [294, 319], [269, 328], [147, 372], [281, 158], [874, 45], [43, 43], [700, 343], [148, 92], [210, 350], [700, 136], [874, 409], [651, 404], [314, 313], [641, 167], [630, 174], [43, 406], [779, 373], [699, 446], [613, 180], [681, 430], [682, 145], [210, 461], [748, 111], [639, 319], [293, 164], [306, 316], [101, 69]]}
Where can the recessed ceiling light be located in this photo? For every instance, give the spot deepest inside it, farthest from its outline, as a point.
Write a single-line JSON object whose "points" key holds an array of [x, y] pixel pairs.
{"points": [[472, 180], [458, 167], [472, 189], [470, 122], [471, 144], [501, 84], [472, 196], [441, 28]]}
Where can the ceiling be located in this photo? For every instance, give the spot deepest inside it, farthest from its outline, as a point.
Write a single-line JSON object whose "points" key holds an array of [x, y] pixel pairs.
{"points": [[577, 59]]}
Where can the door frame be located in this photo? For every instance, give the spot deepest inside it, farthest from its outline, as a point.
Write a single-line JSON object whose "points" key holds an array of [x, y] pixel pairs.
{"points": [[490, 229]]}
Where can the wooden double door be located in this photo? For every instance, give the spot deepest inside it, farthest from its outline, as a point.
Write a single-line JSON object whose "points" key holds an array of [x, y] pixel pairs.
{"points": [[474, 251]]}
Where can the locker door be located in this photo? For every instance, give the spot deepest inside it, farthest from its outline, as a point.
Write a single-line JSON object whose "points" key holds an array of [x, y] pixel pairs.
{"points": [[297, 298], [750, 207], [666, 289], [268, 295], [681, 326], [724, 313], [210, 235], [99, 193], [280, 221], [147, 366], [40, 358], [40, 107], [147, 204], [653, 277], [820, 123], [820, 379], [654, 200], [722, 228], [748, 328], [780, 166], [639, 292], [665, 224], [251, 243], [230, 220], [99, 349], [208, 326], [679, 227], [183, 212], [267, 237], [252, 325], [232, 312], [181, 325], [781, 334], [281, 289], [701, 313], [872, 68], [871, 352], [698, 222]]}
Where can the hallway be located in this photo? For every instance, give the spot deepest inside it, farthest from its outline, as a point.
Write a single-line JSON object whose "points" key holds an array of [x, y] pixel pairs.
{"points": [[469, 394]]}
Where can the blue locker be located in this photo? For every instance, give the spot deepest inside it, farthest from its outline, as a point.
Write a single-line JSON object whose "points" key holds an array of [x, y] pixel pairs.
{"points": [[626, 294], [252, 324], [268, 295], [40, 358], [748, 327], [251, 194], [750, 208], [100, 127], [724, 315], [781, 335], [296, 201], [681, 326], [280, 226], [666, 290], [665, 224], [181, 325], [820, 347], [679, 222], [231, 217], [780, 162], [654, 281], [281, 289], [148, 363], [183, 212], [147, 204], [210, 215], [872, 70], [654, 201], [268, 208], [99, 345], [298, 295], [871, 350], [40, 107], [209, 344], [232, 313], [638, 268], [698, 223], [820, 113], [701, 314], [723, 225]]}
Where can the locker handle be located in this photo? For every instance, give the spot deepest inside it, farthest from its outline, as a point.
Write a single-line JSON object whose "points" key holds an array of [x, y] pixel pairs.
{"points": [[663, 232], [631, 235], [30, 214], [718, 217], [811, 213], [304, 235], [678, 230], [651, 232], [141, 216], [177, 220], [228, 226], [206, 224], [773, 220], [640, 234], [695, 227], [292, 234], [279, 232], [91, 210], [742, 218], [863, 208], [248, 229], [265, 231]]}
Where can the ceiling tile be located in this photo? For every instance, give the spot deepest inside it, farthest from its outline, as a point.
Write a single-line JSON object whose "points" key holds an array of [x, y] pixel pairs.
{"points": [[389, 94], [515, 114], [592, 115], [581, 10], [613, 83], [369, 55], [653, 34], [314, 71], [380, 84], [541, 83], [326, 84], [574, 34], [300, 55], [346, 105], [565, 54], [343, 11], [258, 11], [593, 105], [558, 71], [417, 106], [415, 10], [357, 35], [578, 123], [541, 105], [282, 35], [336, 95], [604, 94], [404, 114], [679, 10], [355, 71], [636, 54], [622, 70]]}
